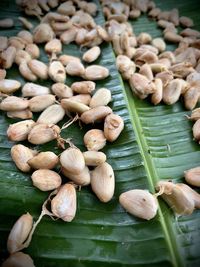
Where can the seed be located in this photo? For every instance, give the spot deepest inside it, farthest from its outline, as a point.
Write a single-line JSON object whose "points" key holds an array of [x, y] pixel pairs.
{"points": [[75, 68], [26, 72], [8, 57], [192, 194], [56, 72], [13, 103], [80, 37], [82, 98], [20, 155], [103, 182], [116, 44], [94, 139], [192, 176], [53, 46], [43, 133], [134, 14], [195, 114], [42, 33], [46, 180], [19, 131], [19, 233], [92, 54], [144, 38], [191, 97], [33, 50], [52, 3], [52, 115], [27, 24], [123, 63], [172, 92], [141, 85], [20, 114], [169, 55], [84, 87], [101, 98], [3, 43], [95, 114], [63, 205], [94, 158], [26, 36], [33, 89], [72, 160], [113, 126], [65, 59], [165, 76], [193, 78], [69, 35], [177, 198], [146, 71], [41, 102], [157, 96], [154, 12], [74, 106], [2, 74], [38, 68], [102, 33], [51, 16], [44, 160], [158, 67], [172, 37], [22, 56], [17, 42], [96, 72], [66, 9], [18, 259], [186, 22], [174, 16], [6, 23], [61, 90], [190, 33], [139, 203], [159, 44], [80, 179]]}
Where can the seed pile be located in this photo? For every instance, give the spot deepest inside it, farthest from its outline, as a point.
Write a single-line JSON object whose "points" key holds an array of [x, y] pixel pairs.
{"points": [[141, 60]]}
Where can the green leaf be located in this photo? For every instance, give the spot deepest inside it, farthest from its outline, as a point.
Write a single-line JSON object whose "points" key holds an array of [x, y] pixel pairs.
{"points": [[155, 144]]}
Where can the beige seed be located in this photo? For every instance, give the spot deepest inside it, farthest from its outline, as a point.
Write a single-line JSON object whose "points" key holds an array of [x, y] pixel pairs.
{"points": [[6, 23], [154, 12], [102, 33], [69, 35], [103, 182], [66, 9], [192, 194], [82, 98], [33, 50], [53, 46], [19, 233], [53, 3], [95, 114], [165, 76], [191, 97], [2, 74], [196, 130], [113, 126], [19, 131], [43, 133], [146, 71], [27, 24], [181, 70], [65, 59], [172, 37], [92, 54], [157, 96], [26, 72], [83, 87], [94, 158], [75, 68], [52, 115], [41, 102], [8, 57], [144, 38], [44, 160], [26, 36], [63, 205], [17, 42], [190, 33], [3, 43], [38, 68], [22, 56], [169, 55], [141, 85], [172, 92], [57, 72], [101, 98], [24, 114], [94, 139], [186, 22], [20, 155], [158, 67], [72, 160], [195, 114], [13, 103], [80, 37], [74, 106], [33, 89], [192, 176], [80, 179], [134, 14], [46, 180], [61, 90], [159, 44], [96, 72], [174, 16], [42, 33], [18, 259], [139, 203]]}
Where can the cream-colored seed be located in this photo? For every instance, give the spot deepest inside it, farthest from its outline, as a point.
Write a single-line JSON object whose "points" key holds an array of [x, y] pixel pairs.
{"points": [[96, 72], [52, 115], [139, 203], [39, 68], [190, 33], [8, 57], [144, 38], [26, 36], [24, 114], [94, 158], [94, 139], [113, 126], [46, 180], [172, 37], [33, 89], [157, 96], [3, 43], [17, 42], [19, 233], [53, 3], [92, 54], [182, 70], [41, 102], [159, 44], [19, 131], [146, 71], [165, 76], [22, 56], [43, 33], [75, 68], [74, 106], [65, 59], [82, 98], [43, 133], [192, 194], [141, 85], [26, 72], [13, 103], [195, 114], [33, 50], [72, 160], [20, 155], [103, 182], [191, 97], [66, 9], [192, 176], [6, 23], [69, 35], [172, 92], [84, 87], [61, 90], [196, 130], [80, 179], [95, 114], [186, 22], [57, 72], [2, 75], [53, 46], [18, 259], [101, 98], [63, 205], [44, 160], [27, 24]]}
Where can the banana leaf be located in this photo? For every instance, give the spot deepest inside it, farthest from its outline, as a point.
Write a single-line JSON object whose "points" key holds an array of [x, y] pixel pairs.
{"points": [[155, 144]]}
